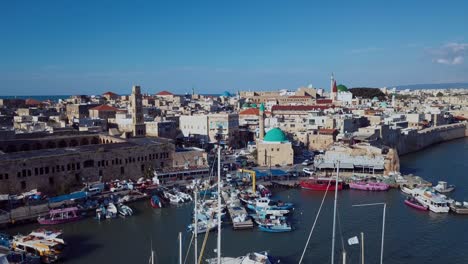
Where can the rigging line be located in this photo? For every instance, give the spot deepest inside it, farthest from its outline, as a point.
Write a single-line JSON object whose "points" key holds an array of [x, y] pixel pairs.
{"points": [[189, 247], [315, 221]]}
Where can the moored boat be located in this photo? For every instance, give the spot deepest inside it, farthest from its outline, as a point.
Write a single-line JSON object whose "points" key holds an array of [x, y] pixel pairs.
{"points": [[60, 216], [412, 202], [251, 258], [437, 203], [459, 207], [443, 187], [369, 186], [155, 202], [321, 184]]}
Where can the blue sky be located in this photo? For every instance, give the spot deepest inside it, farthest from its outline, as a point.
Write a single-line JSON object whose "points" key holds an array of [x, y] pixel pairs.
{"points": [[89, 47]]}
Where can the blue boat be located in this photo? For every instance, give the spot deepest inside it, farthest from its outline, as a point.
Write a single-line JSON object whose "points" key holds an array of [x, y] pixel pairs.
{"points": [[5, 241], [156, 202], [267, 204], [276, 228]]}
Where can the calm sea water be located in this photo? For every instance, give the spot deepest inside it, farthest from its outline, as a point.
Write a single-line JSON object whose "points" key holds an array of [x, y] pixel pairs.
{"points": [[411, 236], [41, 98]]}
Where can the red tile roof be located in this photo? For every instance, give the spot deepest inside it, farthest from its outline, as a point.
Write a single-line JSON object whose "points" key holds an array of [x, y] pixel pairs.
{"points": [[164, 93], [110, 93], [250, 111], [327, 131], [104, 108], [299, 107], [32, 102]]}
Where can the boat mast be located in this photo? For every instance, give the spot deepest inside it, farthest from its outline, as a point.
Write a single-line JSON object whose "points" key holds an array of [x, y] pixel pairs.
{"points": [[219, 205], [334, 214], [362, 248], [180, 247], [195, 247]]}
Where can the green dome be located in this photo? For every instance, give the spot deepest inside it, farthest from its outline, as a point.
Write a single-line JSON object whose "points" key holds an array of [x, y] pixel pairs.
{"points": [[262, 107], [253, 105], [275, 135], [342, 88]]}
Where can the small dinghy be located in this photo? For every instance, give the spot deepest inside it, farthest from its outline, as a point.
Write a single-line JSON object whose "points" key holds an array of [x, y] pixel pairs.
{"points": [[412, 202]]}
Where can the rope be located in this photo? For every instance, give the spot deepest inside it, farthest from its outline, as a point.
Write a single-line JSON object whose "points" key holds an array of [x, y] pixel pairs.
{"points": [[205, 239], [315, 222]]}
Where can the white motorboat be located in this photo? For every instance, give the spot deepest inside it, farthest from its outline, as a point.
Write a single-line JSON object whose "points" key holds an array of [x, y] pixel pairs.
{"points": [[111, 211], [125, 210], [437, 203], [442, 187], [251, 258], [203, 226]]}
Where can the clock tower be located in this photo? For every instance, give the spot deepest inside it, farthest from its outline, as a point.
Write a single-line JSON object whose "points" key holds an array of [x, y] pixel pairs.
{"points": [[139, 126]]}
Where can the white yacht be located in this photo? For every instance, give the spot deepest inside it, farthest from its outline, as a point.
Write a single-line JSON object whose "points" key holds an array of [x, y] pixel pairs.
{"points": [[437, 203], [251, 258]]}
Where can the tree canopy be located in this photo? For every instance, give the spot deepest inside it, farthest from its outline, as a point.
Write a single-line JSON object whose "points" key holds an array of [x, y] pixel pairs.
{"points": [[366, 92]]}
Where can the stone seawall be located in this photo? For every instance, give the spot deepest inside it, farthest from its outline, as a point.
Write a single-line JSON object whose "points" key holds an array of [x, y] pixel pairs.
{"points": [[417, 140]]}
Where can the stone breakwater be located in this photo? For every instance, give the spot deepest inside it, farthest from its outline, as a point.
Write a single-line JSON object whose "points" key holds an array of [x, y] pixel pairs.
{"points": [[417, 140]]}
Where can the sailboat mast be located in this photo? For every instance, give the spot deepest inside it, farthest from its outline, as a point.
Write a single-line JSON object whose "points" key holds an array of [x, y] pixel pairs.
{"points": [[362, 248], [219, 205], [195, 247], [180, 247], [334, 214]]}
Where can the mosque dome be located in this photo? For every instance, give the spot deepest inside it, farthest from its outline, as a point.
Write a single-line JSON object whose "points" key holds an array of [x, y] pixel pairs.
{"points": [[253, 105], [342, 88], [275, 135], [226, 94]]}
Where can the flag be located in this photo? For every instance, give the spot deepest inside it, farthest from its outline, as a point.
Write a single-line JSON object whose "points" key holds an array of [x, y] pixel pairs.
{"points": [[353, 241]]}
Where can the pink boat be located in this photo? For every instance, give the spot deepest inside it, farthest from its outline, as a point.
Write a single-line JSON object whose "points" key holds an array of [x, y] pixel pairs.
{"points": [[60, 216], [369, 186], [410, 201]]}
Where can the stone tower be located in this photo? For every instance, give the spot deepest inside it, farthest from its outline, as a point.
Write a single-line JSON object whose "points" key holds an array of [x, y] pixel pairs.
{"points": [[138, 124], [261, 122], [333, 89]]}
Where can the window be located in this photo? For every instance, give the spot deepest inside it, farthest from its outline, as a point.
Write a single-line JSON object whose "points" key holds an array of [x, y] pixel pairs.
{"points": [[36, 171], [78, 166], [100, 172], [51, 181], [29, 172], [122, 170], [88, 163], [47, 170], [23, 185], [41, 171], [142, 167]]}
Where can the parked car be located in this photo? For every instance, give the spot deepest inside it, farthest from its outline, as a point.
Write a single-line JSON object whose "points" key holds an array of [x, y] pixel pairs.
{"points": [[308, 171], [306, 162]]}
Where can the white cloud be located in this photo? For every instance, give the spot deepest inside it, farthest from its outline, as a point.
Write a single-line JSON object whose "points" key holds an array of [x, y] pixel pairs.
{"points": [[450, 54]]}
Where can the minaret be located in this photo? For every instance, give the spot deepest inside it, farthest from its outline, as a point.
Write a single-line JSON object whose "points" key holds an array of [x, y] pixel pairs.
{"points": [[261, 122], [139, 126], [333, 89], [393, 96]]}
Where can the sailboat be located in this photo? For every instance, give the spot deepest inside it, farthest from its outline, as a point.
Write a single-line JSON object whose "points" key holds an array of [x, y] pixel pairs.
{"points": [[250, 258]]}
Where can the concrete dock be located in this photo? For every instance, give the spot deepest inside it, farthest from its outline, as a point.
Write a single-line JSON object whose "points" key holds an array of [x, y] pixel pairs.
{"points": [[237, 212]]}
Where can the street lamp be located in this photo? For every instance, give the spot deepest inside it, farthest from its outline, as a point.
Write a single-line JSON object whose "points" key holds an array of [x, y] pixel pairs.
{"points": [[383, 224]]}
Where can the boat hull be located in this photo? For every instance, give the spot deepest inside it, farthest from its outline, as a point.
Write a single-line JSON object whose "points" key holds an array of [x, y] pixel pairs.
{"points": [[314, 186], [416, 206], [273, 229], [47, 221], [369, 187]]}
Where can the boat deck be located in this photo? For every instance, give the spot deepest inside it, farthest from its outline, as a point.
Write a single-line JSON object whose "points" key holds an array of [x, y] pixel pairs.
{"points": [[236, 209], [459, 210]]}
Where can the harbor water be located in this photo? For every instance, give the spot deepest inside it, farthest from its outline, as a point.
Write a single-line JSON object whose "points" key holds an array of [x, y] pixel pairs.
{"points": [[411, 236]]}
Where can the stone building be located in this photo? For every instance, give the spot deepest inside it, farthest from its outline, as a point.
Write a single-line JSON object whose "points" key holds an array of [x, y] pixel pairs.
{"points": [[103, 111], [274, 149], [78, 110], [136, 107], [63, 166]]}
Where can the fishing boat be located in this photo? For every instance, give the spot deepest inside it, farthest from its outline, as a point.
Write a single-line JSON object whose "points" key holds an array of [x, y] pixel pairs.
{"points": [[49, 251], [437, 203], [251, 258], [412, 202], [459, 207], [442, 187], [155, 201], [264, 191], [278, 226], [60, 216], [112, 210], [267, 204], [321, 184], [369, 186]]}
